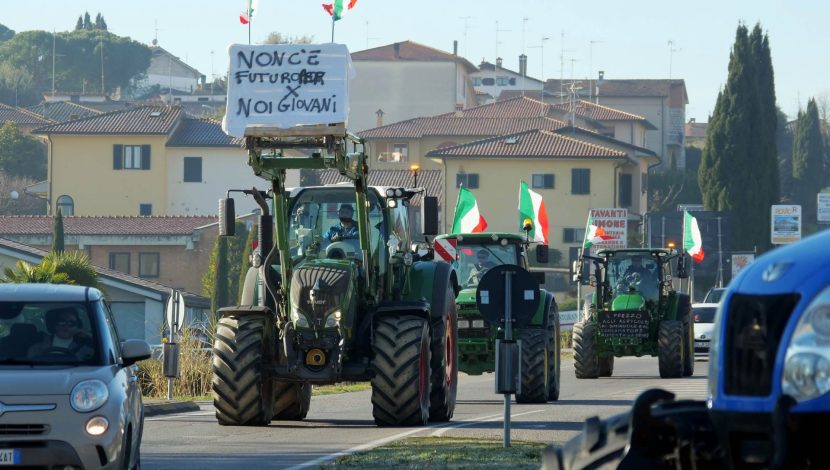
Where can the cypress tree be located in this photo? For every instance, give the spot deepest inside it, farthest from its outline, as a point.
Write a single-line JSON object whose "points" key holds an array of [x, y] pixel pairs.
{"points": [[808, 160], [219, 297], [57, 232], [87, 22], [244, 262], [80, 24]]}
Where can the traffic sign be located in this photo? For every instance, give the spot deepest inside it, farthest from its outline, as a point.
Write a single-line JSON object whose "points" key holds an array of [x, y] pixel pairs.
{"points": [[490, 295], [174, 311]]}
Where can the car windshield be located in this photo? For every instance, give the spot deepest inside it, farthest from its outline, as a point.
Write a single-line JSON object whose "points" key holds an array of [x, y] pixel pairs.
{"points": [[48, 333], [634, 272], [714, 296], [475, 259], [323, 224], [704, 314]]}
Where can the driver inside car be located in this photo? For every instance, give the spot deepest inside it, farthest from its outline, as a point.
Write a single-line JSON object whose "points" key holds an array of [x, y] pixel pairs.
{"points": [[346, 229], [65, 336]]}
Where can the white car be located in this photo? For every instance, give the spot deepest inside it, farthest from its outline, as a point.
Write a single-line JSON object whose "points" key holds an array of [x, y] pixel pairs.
{"points": [[703, 315]]}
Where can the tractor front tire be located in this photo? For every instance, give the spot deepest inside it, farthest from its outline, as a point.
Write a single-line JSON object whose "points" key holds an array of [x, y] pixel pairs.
{"points": [[292, 400], [685, 315], [555, 362], [243, 395], [586, 365], [400, 386], [606, 366], [535, 366], [671, 347], [444, 363]]}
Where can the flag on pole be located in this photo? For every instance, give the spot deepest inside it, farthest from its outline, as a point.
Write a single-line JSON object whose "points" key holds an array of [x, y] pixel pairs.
{"points": [[246, 16], [532, 206], [467, 218], [594, 234], [339, 8], [692, 242]]}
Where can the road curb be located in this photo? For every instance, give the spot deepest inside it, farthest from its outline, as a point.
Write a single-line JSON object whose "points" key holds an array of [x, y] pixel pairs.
{"points": [[157, 408]]}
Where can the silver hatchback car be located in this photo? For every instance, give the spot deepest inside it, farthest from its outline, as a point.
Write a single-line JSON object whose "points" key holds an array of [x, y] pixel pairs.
{"points": [[68, 396]]}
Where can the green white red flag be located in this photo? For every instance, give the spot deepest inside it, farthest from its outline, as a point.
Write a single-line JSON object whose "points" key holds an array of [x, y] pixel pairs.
{"points": [[532, 206], [692, 242], [246, 16], [594, 234], [338, 8], [467, 217]]}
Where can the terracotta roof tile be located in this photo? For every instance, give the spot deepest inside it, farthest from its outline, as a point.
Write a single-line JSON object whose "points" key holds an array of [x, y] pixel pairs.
{"points": [[530, 144], [21, 116], [519, 107], [202, 133], [109, 225], [463, 126], [623, 87], [597, 112], [62, 111], [410, 51], [151, 120], [430, 180]]}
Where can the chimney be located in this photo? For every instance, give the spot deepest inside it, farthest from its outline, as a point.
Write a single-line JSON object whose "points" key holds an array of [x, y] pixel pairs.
{"points": [[379, 121], [692, 120], [498, 62], [397, 50], [523, 65], [459, 108], [455, 47]]}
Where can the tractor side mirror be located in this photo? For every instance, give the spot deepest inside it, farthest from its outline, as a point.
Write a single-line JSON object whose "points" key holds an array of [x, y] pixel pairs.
{"points": [[683, 266], [227, 217], [542, 255], [429, 215]]}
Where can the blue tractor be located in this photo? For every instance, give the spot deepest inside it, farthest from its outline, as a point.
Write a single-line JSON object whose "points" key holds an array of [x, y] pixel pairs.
{"points": [[769, 382]]}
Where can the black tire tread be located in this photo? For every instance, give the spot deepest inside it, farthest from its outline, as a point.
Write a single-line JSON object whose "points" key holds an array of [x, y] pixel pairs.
{"points": [[534, 377], [555, 362], [670, 348], [585, 355], [606, 366], [292, 400], [444, 388]]}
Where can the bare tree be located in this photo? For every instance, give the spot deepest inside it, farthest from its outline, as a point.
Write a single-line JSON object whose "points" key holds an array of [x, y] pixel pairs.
{"points": [[276, 37]]}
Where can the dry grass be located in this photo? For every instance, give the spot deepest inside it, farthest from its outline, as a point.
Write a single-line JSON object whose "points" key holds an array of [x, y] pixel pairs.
{"points": [[195, 372]]}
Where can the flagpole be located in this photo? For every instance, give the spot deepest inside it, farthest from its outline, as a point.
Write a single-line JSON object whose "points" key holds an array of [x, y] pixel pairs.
{"points": [[250, 20], [332, 28]]}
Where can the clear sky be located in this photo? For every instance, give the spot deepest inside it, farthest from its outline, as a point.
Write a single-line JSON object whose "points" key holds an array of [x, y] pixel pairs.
{"points": [[626, 39]]}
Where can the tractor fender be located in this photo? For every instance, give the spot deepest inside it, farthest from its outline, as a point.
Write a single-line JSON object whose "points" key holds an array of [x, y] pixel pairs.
{"points": [[428, 282], [675, 309], [543, 318]]}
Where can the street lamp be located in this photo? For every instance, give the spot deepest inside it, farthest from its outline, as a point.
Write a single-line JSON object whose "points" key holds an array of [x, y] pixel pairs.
{"points": [[415, 170]]}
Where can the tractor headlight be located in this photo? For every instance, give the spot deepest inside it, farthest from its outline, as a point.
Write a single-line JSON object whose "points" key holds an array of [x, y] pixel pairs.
{"points": [[333, 319], [807, 362], [463, 324], [478, 323], [299, 319]]}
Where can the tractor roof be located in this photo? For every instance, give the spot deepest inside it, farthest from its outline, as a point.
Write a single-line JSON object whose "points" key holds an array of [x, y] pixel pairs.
{"points": [[634, 251], [483, 237]]}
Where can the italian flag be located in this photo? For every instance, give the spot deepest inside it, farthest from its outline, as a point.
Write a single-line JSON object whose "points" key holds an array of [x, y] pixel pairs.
{"points": [[691, 237], [467, 218], [594, 234], [532, 208], [246, 16], [339, 8]]}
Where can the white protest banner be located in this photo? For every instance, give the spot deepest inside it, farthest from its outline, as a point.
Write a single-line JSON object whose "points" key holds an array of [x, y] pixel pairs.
{"points": [[615, 223], [286, 85], [785, 224]]}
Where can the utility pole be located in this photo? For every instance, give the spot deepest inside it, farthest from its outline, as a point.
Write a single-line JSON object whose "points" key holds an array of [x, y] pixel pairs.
{"points": [[53, 63], [466, 26], [672, 50], [541, 46], [497, 37], [591, 69], [102, 65]]}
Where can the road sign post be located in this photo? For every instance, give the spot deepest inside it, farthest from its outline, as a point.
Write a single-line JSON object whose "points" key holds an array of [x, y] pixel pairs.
{"points": [[175, 315]]}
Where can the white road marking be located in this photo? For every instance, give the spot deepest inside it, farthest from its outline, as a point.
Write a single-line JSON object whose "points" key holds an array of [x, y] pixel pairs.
{"points": [[172, 416], [440, 432]]}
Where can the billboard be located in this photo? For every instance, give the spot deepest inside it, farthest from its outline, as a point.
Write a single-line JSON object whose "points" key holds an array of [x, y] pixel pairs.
{"points": [[285, 85], [823, 207], [740, 261], [615, 223], [785, 226]]}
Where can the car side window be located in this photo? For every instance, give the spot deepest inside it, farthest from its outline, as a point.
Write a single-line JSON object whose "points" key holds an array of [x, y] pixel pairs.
{"points": [[112, 344]]}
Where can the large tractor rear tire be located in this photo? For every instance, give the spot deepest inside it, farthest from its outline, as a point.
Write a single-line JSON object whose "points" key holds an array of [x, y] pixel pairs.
{"points": [[586, 365], [292, 400], [685, 315], [400, 386], [671, 348], [444, 363], [555, 362], [243, 394], [535, 366], [606, 366]]}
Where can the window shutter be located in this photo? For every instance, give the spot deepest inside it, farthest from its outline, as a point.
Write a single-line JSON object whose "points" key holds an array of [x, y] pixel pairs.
{"points": [[117, 156], [472, 180], [549, 181], [145, 157]]}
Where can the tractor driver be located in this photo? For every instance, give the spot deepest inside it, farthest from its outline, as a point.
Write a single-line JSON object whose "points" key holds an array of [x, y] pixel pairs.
{"points": [[346, 229], [482, 265], [637, 267]]}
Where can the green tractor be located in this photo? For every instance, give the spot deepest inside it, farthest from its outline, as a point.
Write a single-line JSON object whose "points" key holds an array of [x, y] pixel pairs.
{"points": [[324, 305], [472, 255], [635, 311]]}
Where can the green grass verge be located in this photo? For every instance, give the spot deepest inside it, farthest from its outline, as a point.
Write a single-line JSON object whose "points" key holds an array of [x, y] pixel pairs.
{"points": [[344, 387], [446, 453]]}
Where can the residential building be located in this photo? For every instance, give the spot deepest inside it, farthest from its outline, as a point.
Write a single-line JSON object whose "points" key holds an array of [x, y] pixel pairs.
{"points": [[404, 80], [622, 126], [168, 71], [137, 304], [62, 111], [493, 79], [147, 160], [696, 133], [26, 120]]}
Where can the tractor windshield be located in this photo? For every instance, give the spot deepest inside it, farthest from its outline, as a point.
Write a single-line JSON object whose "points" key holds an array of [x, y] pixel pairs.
{"points": [[634, 272], [323, 224], [474, 260]]}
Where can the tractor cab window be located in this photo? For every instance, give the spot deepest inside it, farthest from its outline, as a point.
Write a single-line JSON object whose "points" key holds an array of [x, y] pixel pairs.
{"points": [[475, 260], [324, 224], [634, 272]]}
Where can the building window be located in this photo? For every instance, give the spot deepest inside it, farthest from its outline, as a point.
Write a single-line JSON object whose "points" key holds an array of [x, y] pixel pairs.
{"points": [[477, 81], [512, 81], [502, 81], [626, 182], [581, 181], [130, 157], [120, 262], [468, 180], [145, 209], [148, 264], [573, 235], [66, 205], [192, 169], [399, 153], [543, 181], [488, 82]]}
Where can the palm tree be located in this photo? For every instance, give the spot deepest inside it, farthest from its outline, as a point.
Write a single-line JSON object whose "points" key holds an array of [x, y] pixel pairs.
{"points": [[45, 272], [75, 265]]}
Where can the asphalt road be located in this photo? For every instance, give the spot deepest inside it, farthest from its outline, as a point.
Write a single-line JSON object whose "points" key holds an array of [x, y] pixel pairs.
{"points": [[343, 423]]}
